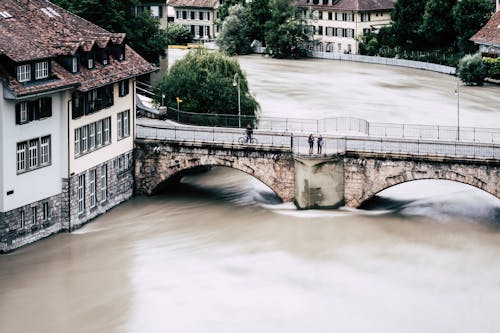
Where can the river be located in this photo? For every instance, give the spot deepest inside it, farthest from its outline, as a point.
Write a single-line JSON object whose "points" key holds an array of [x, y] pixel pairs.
{"points": [[219, 253]]}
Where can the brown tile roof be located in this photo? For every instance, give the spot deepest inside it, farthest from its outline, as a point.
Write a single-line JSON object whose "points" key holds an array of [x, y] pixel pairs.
{"points": [[40, 30], [490, 33], [193, 3], [354, 5]]}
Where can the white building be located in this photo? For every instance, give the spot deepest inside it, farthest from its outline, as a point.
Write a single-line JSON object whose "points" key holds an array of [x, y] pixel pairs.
{"points": [[338, 23], [67, 115], [198, 15]]}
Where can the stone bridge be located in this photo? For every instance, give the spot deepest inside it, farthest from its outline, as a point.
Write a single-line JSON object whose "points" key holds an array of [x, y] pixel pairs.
{"points": [[160, 163], [352, 171]]}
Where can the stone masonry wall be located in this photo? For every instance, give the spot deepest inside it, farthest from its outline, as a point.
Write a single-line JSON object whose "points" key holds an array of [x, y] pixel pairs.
{"points": [[159, 161], [367, 175]]}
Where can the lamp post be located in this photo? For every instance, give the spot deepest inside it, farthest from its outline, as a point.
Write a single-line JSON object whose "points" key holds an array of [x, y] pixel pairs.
{"points": [[236, 83], [457, 93]]}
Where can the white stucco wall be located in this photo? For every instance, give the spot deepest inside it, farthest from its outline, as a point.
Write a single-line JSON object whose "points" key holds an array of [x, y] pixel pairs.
{"points": [[40, 183], [3, 109], [117, 147]]}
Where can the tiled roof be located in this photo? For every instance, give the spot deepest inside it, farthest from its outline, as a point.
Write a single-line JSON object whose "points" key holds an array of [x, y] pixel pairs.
{"points": [[193, 3], [40, 30], [490, 33], [354, 5]]}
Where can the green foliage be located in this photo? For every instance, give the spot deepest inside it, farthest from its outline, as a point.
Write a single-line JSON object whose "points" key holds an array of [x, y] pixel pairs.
{"points": [[260, 13], [204, 81], [470, 17], [179, 34], [493, 67], [235, 36], [143, 32], [287, 34], [437, 24], [369, 45], [472, 69], [407, 18], [223, 10]]}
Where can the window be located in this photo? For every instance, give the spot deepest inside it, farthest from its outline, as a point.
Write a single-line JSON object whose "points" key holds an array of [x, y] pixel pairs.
{"points": [[90, 62], [104, 178], [84, 139], [81, 194], [23, 73], [325, 2], [207, 30], [77, 141], [22, 219], [99, 133], [201, 15], [33, 153], [74, 64], [92, 188], [365, 17], [21, 157], [330, 14], [192, 13], [23, 112], [45, 150], [329, 31], [123, 88], [92, 136], [320, 30], [339, 47], [106, 124], [33, 215], [123, 124], [41, 70], [45, 211], [340, 32], [184, 15], [155, 11], [208, 16], [366, 31]]}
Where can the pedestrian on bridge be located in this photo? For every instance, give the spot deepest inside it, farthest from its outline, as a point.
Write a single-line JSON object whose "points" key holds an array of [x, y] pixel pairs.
{"points": [[249, 132], [319, 143], [311, 143]]}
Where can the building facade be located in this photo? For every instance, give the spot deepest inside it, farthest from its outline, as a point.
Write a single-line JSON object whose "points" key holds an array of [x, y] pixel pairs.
{"points": [[198, 15], [337, 24], [67, 115], [488, 38]]}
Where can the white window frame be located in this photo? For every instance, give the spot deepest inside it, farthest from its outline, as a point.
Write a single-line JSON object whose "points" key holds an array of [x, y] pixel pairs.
{"points": [[106, 130], [45, 211], [90, 63], [92, 144], [41, 70], [99, 133], [33, 153], [84, 147], [104, 181], [21, 156], [92, 188], [24, 73], [81, 193], [77, 141], [23, 219], [74, 64], [45, 150], [23, 112], [34, 216], [123, 124]]}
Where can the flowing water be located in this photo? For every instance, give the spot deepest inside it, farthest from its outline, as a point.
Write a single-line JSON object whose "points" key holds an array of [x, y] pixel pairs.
{"points": [[219, 253]]}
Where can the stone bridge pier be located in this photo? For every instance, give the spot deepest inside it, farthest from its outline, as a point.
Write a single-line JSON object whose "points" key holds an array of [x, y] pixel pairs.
{"points": [[159, 163]]}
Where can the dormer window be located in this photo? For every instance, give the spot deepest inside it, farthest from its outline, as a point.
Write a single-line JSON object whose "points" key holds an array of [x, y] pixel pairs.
{"points": [[24, 73], [104, 58], [90, 62], [41, 70]]}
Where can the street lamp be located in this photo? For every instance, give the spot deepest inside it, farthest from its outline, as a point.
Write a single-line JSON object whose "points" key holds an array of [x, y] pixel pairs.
{"points": [[457, 93], [236, 83]]}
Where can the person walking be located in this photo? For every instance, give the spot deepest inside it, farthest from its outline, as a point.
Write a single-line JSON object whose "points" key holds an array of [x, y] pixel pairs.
{"points": [[311, 143], [319, 143]]}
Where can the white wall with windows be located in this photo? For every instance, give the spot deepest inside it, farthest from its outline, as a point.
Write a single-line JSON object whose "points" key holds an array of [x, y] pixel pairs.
{"points": [[88, 134], [33, 153]]}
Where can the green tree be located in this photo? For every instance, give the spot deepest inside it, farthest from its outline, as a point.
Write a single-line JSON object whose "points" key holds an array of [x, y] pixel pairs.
{"points": [[204, 81], [235, 35], [223, 10], [406, 22], [287, 33], [179, 34], [438, 24], [472, 69], [260, 13], [470, 17], [143, 32]]}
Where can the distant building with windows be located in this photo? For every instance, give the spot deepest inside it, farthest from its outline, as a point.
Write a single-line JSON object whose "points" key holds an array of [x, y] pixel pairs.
{"points": [[488, 38], [67, 115], [337, 23], [197, 15], [158, 10]]}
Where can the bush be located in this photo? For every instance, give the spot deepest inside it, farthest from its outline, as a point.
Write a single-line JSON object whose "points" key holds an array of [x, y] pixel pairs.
{"points": [[493, 66], [472, 69]]}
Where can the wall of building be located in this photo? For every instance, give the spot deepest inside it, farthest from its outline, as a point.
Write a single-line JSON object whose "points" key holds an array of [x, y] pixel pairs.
{"points": [[188, 22], [40, 183], [3, 109], [117, 147]]}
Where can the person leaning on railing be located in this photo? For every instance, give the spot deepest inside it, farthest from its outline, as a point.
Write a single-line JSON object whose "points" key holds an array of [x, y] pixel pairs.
{"points": [[249, 132]]}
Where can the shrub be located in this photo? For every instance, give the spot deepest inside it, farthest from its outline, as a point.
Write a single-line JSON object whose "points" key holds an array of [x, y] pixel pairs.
{"points": [[472, 69], [493, 66]]}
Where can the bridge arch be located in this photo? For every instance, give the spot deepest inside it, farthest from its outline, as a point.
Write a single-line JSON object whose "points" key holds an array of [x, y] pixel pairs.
{"points": [[365, 177], [159, 163]]}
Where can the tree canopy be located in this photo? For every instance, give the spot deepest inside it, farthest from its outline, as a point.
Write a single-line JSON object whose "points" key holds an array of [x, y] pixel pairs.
{"points": [[470, 17], [235, 35], [203, 80], [143, 32]]}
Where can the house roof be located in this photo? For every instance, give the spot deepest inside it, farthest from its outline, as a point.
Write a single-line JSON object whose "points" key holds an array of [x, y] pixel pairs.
{"points": [[193, 3], [354, 5], [490, 33], [37, 29]]}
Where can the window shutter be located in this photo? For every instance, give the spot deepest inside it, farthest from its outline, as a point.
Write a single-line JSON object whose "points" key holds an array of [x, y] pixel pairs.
{"points": [[31, 110], [18, 113]]}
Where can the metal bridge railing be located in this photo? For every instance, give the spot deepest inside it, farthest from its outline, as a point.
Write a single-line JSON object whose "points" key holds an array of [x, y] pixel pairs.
{"points": [[298, 143], [341, 125]]}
